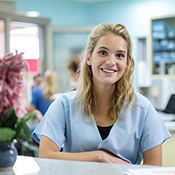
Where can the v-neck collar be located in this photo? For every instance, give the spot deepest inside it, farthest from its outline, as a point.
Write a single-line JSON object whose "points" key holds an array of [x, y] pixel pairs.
{"points": [[98, 133]]}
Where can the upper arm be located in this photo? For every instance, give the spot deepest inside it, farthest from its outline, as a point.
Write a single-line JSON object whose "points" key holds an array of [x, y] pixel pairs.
{"points": [[153, 156], [52, 126], [47, 147], [153, 136]]}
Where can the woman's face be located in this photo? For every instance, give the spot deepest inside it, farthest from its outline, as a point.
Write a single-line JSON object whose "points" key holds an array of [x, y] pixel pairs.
{"points": [[108, 60]]}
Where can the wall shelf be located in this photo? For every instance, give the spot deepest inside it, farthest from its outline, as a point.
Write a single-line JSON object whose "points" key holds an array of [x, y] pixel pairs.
{"points": [[163, 46]]}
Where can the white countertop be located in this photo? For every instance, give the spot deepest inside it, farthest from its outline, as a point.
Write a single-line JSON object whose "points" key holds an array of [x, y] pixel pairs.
{"points": [[37, 166]]}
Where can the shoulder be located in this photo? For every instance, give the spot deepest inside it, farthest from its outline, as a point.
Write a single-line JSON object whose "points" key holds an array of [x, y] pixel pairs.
{"points": [[63, 107], [37, 90], [68, 98], [140, 106], [142, 109], [140, 101]]}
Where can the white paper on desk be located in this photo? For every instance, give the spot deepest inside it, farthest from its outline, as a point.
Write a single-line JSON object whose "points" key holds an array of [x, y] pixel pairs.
{"points": [[152, 171], [26, 165]]}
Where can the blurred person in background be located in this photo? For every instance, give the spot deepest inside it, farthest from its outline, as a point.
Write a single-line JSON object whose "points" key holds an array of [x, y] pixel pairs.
{"points": [[42, 96], [74, 71], [37, 79]]}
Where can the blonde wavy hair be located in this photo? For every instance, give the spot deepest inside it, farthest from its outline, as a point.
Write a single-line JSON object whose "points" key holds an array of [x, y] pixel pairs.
{"points": [[123, 90], [49, 84]]}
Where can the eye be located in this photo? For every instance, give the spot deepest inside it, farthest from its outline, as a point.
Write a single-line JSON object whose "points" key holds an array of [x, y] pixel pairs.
{"points": [[120, 55], [102, 53]]}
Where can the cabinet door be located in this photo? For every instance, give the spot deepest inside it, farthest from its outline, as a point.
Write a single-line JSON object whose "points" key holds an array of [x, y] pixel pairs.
{"points": [[163, 46]]}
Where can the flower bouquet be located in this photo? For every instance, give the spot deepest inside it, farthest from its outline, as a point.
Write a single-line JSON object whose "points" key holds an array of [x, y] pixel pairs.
{"points": [[13, 116]]}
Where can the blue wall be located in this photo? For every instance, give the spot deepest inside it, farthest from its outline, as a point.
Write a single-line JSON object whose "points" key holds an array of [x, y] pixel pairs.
{"points": [[61, 13], [134, 14]]}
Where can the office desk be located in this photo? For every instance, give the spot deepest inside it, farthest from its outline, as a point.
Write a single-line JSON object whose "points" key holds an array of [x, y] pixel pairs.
{"points": [[36, 166], [169, 146]]}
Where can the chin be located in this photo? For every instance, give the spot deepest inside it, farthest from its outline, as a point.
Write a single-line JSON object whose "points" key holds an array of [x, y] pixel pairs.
{"points": [[109, 83]]}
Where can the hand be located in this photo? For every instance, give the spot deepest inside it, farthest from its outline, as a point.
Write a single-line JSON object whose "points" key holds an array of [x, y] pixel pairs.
{"points": [[110, 158], [39, 115]]}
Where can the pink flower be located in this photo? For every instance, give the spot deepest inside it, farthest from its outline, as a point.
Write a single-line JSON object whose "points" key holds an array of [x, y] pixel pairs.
{"points": [[11, 83]]}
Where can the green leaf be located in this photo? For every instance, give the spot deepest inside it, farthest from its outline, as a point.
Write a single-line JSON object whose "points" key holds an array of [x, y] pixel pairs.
{"points": [[7, 134], [25, 134], [9, 119], [22, 128], [28, 116]]}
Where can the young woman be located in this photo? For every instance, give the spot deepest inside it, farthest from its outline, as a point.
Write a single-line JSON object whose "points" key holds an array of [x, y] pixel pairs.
{"points": [[104, 120]]}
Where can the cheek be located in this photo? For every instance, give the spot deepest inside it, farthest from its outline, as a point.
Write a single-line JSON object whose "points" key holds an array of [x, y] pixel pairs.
{"points": [[123, 65], [126, 65]]}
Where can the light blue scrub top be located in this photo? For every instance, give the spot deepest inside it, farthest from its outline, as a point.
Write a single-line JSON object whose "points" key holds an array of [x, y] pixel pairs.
{"points": [[138, 129]]}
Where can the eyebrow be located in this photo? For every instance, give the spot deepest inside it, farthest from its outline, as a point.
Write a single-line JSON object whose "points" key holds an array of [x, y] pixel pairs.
{"points": [[102, 47]]}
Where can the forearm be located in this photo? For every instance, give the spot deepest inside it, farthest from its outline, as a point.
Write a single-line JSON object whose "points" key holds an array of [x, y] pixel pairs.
{"points": [[119, 161], [93, 156], [110, 158], [48, 149]]}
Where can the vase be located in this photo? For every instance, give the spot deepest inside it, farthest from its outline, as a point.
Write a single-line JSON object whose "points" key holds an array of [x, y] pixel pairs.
{"points": [[8, 156]]}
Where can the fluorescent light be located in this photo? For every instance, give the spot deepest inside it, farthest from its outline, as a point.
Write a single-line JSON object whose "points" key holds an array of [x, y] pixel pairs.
{"points": [[32, 13]]}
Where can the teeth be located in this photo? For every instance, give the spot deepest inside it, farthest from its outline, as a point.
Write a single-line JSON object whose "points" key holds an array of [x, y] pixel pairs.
{"points": [[107, 70]]}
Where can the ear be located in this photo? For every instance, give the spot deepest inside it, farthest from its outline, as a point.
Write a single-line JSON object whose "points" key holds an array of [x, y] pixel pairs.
{"points": [[88, 60]]}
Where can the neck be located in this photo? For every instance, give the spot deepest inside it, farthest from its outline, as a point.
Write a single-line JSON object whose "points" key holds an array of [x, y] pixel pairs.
{"points": [[104, 95], [104, 99]]}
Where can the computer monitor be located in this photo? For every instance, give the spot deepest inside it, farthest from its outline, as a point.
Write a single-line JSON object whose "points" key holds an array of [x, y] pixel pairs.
{"points": [[170, 107]]}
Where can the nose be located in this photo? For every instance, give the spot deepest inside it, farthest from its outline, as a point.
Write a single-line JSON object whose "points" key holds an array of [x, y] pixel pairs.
{"points": [[111, 60]]}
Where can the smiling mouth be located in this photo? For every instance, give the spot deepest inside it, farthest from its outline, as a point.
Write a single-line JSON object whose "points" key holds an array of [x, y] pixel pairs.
{"points": [[108, 70]]}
